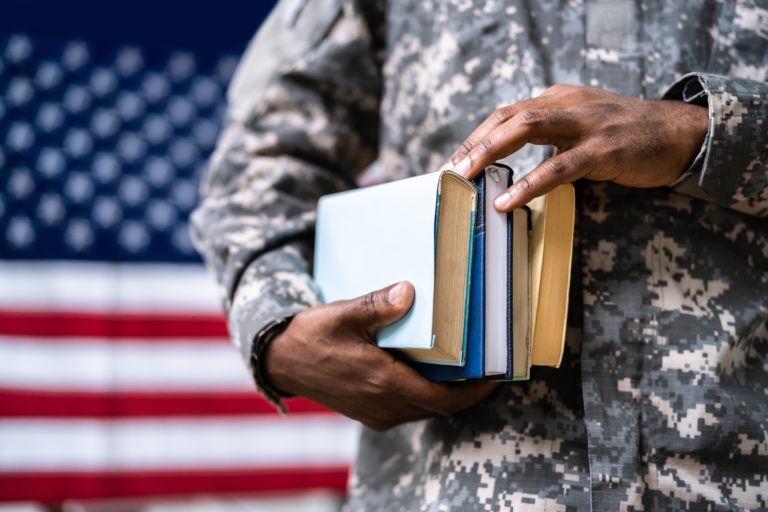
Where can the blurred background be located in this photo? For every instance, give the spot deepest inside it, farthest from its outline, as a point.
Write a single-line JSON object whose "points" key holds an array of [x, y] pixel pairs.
{"points": [[119, 390]]}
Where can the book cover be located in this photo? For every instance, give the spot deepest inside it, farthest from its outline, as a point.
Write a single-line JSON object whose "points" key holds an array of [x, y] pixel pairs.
{"points": [[366, 239], [419, 229], [503, 180]]}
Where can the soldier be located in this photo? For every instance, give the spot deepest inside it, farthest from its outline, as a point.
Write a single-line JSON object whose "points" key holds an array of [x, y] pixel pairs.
{"points": [[661, 400]]}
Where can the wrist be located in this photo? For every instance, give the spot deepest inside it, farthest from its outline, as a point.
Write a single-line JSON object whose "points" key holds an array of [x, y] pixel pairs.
{"points": [[261, 344], [689, 125], [273, 363]]}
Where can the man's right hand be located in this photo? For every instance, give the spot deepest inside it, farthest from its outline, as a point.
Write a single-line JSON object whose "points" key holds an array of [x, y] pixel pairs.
{"points": [[328, 354]]}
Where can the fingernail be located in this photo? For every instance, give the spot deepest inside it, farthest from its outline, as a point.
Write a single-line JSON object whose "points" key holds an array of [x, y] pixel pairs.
{"points": [[503, 201], [462, 167], [447, 165], [395, 294]]}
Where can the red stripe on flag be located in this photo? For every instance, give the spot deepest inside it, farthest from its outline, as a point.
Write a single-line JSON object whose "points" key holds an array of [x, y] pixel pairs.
{"points": [[111, 325], [136, 404], [58, 486]]}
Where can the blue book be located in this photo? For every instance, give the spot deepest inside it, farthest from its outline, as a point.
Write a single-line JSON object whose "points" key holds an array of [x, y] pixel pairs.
{"points": [[475, 349], [498, 310]]}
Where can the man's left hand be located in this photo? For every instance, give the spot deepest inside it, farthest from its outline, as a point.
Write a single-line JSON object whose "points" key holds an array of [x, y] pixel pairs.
{"points": [[598, 135]]}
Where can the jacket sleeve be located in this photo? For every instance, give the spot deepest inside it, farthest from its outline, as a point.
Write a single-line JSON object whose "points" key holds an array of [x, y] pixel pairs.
{"points": [[732, 167], [302, 122]]}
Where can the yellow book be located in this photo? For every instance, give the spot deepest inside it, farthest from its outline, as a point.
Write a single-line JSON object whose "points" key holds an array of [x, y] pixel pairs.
{"points": [[552, 219]]}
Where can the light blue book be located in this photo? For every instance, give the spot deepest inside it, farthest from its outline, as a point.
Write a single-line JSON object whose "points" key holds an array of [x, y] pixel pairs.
{"points": [[419, 230]]}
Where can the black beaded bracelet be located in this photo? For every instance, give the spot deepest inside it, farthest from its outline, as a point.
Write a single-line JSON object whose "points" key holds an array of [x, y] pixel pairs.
{"points": [[260, 343]]}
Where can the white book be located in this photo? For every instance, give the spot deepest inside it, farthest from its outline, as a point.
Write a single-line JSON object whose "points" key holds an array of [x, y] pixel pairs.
{"points": [[497, 278], [507, 283]]}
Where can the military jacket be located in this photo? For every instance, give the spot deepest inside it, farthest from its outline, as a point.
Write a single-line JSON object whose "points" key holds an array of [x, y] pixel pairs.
{"points": [[662, 399]]}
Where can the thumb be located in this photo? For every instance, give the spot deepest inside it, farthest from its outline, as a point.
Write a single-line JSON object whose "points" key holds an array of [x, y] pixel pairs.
{"points": [[379, 308]]}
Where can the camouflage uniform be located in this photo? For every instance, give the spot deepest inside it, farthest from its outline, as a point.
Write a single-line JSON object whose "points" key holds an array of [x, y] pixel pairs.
{"points": [[661, 402]]}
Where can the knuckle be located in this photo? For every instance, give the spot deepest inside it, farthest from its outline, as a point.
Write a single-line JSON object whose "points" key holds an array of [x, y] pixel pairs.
{"points": [[579, 159], [555, 167], [370, 304], [465, 148], [527, 118], [500, 115], [525, 185], [485, 146]]}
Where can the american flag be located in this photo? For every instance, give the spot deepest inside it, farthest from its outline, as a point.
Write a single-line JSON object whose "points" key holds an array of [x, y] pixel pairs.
{"points": [[116, 375]]}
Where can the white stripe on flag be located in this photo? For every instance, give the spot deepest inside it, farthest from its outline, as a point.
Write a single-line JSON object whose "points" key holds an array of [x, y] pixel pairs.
{"points": [[199, 443], [91, 286], [97, 365]]}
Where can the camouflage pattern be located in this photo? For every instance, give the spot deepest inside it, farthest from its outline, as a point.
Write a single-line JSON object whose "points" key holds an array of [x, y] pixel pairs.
{"points": [[661, 401]]}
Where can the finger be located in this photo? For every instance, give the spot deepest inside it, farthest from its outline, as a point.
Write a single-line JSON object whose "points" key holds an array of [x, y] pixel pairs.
{"points": [[446, 399], [563, 168], [467, 394], [493, 121], [383, 424], [378, 308], [437, 397], [543, 126]]}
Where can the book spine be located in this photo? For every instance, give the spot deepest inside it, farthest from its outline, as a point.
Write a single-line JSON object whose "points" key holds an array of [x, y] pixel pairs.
{"points": [[509, 281]]}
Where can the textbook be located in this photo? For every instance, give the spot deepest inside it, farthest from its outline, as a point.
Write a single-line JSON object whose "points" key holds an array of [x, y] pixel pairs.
{"points": [[418, 229], [508, 282], [538, 284], [475, 345], [552, 217], [499, 275], [491, 287]]}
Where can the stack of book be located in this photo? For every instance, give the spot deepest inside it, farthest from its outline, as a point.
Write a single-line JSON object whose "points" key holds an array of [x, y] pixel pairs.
{"points": [[491, 288]]}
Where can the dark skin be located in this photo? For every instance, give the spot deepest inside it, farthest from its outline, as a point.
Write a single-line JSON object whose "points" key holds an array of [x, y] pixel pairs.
{"points": [[328, 353], [597, 135]]}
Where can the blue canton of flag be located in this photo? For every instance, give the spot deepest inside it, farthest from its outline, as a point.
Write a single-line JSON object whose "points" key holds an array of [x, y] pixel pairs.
{"points": [[102, 149]]}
